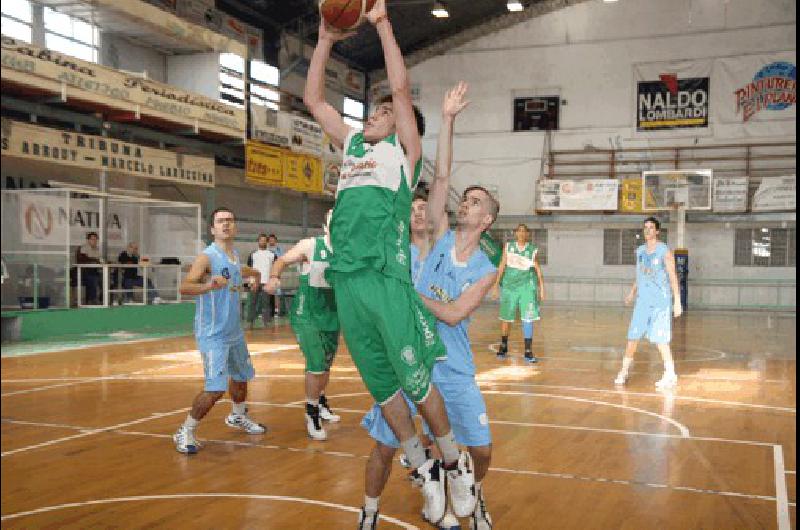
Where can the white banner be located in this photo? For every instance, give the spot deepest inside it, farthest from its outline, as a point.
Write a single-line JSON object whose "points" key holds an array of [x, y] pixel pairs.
{"points": [[776, 193], [265, 126], [753, 89], [68, 148], [595, 194], [44, 220], [730, 194], [306, 135]]}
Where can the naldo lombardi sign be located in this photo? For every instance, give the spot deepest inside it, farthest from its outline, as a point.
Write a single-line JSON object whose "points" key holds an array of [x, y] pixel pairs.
{"points": [[672, 103]]}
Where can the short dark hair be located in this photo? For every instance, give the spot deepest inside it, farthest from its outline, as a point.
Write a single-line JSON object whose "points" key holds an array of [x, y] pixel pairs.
{"points": [[262, 234], [522, 225], [654, 221], [218, 210], [271, 236], [417, 114], [421, 193], [494, 205], [90, 234]]}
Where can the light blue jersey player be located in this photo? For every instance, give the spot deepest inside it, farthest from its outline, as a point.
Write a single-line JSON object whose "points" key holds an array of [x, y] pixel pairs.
{"points": [[657, 297], [217, 279]]}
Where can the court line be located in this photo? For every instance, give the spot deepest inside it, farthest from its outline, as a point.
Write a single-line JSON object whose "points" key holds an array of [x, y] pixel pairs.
{"points": [[790, 472], [780, 489], [352, 509], [153, 416], [313, 450], [279, 348], [681, 427], [495, 346]]}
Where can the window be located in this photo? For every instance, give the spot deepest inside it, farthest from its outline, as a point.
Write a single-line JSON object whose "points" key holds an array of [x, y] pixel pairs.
{"points": [[765, 247], [70, 35], [264, 79], [354, 113], [538, 237], [16, 21], [231, 79], [620, 244]]}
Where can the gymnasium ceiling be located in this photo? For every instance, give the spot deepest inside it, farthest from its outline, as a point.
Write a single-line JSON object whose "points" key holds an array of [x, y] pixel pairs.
{"points": [[416, 29]]}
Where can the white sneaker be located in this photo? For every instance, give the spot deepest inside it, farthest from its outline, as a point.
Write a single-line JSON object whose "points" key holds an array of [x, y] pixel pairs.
{"points": [[433, 490], [185, 441], [622, 378], [449, 521], [462, 486], [367, 520], [667, 381], [243, 422], [480, 519], [314, 423], [325, 411], [157, 300]]}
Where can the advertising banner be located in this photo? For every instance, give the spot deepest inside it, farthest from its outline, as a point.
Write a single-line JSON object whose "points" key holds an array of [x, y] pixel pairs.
{"points": [[776, 193], [264, 164], [757, 88], [730, 194], [630, 195], [672, 95], [302, 173], [265, 126], [595, 194], [44, 220]]}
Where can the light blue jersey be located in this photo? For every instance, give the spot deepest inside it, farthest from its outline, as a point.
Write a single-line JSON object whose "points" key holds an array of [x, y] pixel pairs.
{"points": [[217, 312], [443, 278], [416, 263], [652, 280]]}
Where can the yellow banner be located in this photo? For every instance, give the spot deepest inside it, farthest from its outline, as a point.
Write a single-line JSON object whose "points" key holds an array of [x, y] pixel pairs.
{"points": [[264, 164], [303, 173], [630, 196]]}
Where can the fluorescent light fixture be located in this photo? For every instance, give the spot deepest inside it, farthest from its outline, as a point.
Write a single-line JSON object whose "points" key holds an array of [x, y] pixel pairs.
{"points": [[439, 10], [514, 6], [609, 1]]}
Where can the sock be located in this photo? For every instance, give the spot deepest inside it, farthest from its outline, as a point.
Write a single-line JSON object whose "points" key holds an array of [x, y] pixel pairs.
{"points": [[478, 488], [414, 451], [322, 400], [669, 367], [240, 408], [527, 330], [448, 447], [191, 423], [371, 503], [528, 345], [626, 363], [504, 340]]}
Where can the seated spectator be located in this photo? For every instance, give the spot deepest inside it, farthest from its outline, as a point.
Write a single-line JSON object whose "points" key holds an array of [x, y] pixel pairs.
{"points": [[90, 277], [130, 275]]}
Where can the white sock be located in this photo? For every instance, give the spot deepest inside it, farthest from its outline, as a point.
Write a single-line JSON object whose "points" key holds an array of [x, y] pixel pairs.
{"points": [[314, 402], [239, 408], [626, 363], [669, 367], [191, 423], [447, 444], [371, 503], [414, 451]]}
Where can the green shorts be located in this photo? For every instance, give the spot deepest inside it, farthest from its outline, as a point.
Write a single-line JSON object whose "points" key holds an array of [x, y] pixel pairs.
{"points": [[318, 347], [524, 298], [391, 335]]}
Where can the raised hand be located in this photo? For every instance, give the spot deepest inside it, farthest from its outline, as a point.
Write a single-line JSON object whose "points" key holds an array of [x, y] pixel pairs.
{"points": [[328, 33], [455, 100]]}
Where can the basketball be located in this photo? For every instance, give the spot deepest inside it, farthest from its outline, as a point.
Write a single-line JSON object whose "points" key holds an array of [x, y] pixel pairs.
{"points": [[344, 14]]}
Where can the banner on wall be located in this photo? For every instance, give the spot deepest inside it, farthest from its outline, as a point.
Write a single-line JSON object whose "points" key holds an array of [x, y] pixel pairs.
{"points": [[757, 88], [672, 95], [595, 194], [44, 69], [730, 194], [630, 195], [69, 148], [264, 164], [306, 135], [302, 173], [265, 126], [776, 193], [44, 220]]}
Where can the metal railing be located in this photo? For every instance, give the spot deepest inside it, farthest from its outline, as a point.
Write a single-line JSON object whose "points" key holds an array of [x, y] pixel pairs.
{"points": [[116, 294]]}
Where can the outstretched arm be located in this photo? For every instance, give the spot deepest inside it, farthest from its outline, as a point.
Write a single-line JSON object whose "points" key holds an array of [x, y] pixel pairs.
{"points": [[314, 95], [402, 107], [454, 102], [302, 251], [453, 313]]}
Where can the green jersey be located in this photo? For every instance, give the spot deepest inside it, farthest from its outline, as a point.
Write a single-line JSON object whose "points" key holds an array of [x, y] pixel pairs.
{"points": [[369, 228], [492, 249], [314, 302], [519, 265]]}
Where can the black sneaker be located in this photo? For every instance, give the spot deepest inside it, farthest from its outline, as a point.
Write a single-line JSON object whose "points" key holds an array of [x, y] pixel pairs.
{"points": [[529, 358], [502, 351]]}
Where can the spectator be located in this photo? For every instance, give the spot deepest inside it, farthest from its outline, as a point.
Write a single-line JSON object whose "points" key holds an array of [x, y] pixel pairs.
{"points": [[130, 275], [260, 300], [278, 303], [90, 277]]}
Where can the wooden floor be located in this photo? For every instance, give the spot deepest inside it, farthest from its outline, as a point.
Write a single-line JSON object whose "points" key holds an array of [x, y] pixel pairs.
{"points": [[86, 434]]}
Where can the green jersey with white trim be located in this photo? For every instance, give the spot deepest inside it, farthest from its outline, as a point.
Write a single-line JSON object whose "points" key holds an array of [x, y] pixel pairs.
{"points": [[314, 302], [519, 265], [369, 227]]}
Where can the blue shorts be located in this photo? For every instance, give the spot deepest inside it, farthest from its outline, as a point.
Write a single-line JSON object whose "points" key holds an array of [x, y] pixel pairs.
{"points": [[224, 360], [653, 321], [466, 411]]}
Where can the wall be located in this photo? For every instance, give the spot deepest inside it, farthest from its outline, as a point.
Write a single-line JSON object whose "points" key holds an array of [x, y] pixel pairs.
{"points": [[198, 73], [118, 52]]}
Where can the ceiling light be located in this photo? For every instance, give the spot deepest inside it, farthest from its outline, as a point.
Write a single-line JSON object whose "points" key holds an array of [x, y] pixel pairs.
{"points": [[439, 10], [609, 1], [514, 5]]}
